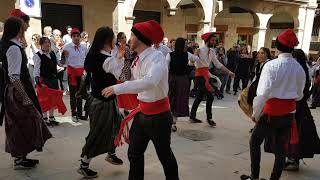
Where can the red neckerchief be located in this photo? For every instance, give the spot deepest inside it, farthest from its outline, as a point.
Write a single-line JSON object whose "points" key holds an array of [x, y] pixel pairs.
{"points": [[135, 61]]}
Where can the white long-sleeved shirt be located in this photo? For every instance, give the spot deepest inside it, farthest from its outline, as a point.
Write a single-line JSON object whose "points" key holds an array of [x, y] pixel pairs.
{"points": [[163, 49], [192, 58], [32, 51], [206, 56], [37, 63], [281, 78], [149, 76], [67, 39], [14, 58], [76, 56]]}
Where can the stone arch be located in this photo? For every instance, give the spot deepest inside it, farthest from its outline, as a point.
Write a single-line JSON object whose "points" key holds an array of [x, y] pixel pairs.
{"points": [[206, 5], [235, 24]]}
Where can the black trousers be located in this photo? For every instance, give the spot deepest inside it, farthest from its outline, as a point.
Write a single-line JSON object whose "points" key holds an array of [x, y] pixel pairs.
{"points": [[278, 128], [200, 92], [75, 103], [244, 81], [156, 128], [60, 78], [315, 96]]}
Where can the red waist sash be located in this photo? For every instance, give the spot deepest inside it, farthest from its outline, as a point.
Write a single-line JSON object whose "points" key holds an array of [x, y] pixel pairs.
{"points": [[147, 108], [204, 72], [73, 73], [127, 101], [279, 107]]}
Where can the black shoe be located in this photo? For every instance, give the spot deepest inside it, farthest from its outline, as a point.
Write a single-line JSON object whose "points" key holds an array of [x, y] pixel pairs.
{"points": [[245, 177], [291, 166], [195, 120], [53, 121], [74, 114], [83, 118], [174, 128], [87, 173], [313, 107], [113, 159], [46, 120], [228, 92], [211, 123], [25, 163], [235, 93]]}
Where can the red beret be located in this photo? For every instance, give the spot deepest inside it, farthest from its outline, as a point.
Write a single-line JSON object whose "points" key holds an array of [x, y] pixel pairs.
{"points": [[75, 31], [149, 31], [206, 36], [17, 13], [288, 38]]}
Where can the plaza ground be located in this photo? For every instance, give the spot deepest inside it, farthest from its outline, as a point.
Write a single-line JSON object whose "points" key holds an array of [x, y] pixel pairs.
{"points": [[224, 156]]}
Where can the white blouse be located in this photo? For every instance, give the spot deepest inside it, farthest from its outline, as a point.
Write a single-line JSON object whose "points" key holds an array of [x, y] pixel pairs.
{"points": [[14, 58]]}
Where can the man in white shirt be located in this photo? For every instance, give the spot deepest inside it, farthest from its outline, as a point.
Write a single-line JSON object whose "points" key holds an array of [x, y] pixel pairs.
{"points": [[67, 37], [74, 55], [281, 84], [152, 118], [207, 55]]}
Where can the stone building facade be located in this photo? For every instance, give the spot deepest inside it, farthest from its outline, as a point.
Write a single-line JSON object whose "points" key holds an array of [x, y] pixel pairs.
{"points": [[252, 22]]}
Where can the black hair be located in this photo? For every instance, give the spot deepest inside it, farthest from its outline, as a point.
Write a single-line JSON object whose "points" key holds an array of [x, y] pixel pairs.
{"points": [[254, 55], [12, 28], [104, 35], [302, 60], [25, 18], [141, 37], [43, 40], [283, 48], [180, 45], [119, 36], [267, 52]]}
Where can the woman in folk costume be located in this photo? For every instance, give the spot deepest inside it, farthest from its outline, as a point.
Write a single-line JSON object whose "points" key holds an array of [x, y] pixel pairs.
{"points": [[152, 118], [206, 55], [315, 101], [25, 129], [281, 84], [179, 83], [126, 101], [309, 143], [104, 115], [46, 77]]}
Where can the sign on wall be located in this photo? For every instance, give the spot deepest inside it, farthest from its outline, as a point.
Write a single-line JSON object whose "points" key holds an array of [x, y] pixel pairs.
{"points": [[31, 7]]}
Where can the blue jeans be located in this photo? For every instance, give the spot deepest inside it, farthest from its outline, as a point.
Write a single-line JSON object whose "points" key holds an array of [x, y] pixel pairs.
{"points": [[223, 78]]}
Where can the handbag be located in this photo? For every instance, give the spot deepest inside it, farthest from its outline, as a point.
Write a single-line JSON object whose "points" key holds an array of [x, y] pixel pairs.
{"points": [[243, 102]]}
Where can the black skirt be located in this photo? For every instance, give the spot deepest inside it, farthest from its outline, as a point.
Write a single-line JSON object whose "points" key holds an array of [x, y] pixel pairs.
{"points": [[179, 89]]}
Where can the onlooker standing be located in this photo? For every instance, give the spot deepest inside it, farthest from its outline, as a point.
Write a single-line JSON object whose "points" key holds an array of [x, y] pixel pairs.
{"points": [[242, 70], [57, 48], [162, 48], [316, 86], [172, 44], [67, 37], [85, 39], [34, 48], [233, 59], [74, 55], [47, 32], [221, 55]]}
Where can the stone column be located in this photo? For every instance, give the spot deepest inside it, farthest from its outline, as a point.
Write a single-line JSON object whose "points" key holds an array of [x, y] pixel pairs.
{"points": [[308, 27], [260, 35], [121, 22]]}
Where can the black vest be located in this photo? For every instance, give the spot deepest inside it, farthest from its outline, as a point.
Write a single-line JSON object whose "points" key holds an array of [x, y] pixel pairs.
{"points": [[24, 75], [48, 67], [179, 64], [99, 78]]}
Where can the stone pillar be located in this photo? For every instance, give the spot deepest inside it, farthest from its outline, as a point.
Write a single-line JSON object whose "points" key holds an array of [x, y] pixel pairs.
{"points": [[308, 27], [121, 22], [260, 35], [204, 27]]}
